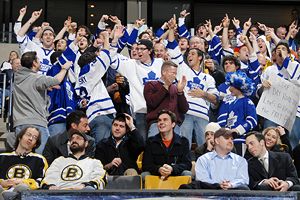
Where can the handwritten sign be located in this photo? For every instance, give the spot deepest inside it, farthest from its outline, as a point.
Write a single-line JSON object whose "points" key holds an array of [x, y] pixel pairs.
{"points": [[279, 103]]}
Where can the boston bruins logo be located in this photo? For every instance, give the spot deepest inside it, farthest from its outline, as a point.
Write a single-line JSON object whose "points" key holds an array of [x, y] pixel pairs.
{"points": [[19, 171], [71, 173]]}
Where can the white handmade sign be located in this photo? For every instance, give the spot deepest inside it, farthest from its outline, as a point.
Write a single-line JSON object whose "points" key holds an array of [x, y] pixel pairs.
{"points": [[279, 103]]}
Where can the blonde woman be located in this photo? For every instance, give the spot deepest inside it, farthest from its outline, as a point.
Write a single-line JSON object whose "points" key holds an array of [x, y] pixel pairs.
{"points": [[276, 139]]}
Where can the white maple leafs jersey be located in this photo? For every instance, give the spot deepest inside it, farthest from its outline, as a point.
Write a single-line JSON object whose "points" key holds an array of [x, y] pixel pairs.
{"points": [[91, 87]]}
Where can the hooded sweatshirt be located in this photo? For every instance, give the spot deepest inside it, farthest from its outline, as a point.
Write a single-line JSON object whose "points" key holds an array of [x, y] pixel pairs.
{"points": [[30, 97]]}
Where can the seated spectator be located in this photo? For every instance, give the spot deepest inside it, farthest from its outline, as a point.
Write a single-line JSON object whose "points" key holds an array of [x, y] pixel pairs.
{"points": [[208, 146], [166, 154], [22, 169], [221, 169], [270, 170], [277, 140], [77, 171], [119, 152], [58, 145]]}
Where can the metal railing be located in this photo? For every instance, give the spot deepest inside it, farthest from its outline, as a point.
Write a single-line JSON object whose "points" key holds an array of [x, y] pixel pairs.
{"points": [[7, 36]]}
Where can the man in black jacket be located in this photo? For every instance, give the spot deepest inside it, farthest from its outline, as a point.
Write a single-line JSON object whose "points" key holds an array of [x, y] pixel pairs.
{"points": [[119, 152], [270, 170], [58, 145], [167, 154]]}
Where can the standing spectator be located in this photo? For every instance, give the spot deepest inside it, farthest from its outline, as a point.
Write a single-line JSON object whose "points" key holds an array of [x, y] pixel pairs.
{"points": [[30, 97], [167, 153], [120, 151], [239, 114], [165, 94], [43, 47], [22, 169], [200, 89], [90, 87]]}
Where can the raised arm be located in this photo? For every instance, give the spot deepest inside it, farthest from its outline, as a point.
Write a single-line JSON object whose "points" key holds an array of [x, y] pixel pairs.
{"points": [[61, 33], [35, 15], [225, 23], [18, 23]]}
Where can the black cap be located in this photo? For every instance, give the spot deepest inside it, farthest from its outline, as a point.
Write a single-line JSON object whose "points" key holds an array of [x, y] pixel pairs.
{"points": [[71, 132], [147, 43]]}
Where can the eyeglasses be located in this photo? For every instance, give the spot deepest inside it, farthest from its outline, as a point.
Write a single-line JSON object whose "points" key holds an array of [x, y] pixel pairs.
{"points": [[33, 137], [141, 49]]}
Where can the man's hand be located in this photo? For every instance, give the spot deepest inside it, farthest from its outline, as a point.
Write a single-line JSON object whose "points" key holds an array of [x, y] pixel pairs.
{"points": [[247, 24], [118, 31], [225, 185], [129, 121], [113, 87], [236, 23], [116, 162], [22, 11], [184, 13], [115, 19], [54, 187], [67, 65], [79, 187], [197, 93], [7, 183], [165, 171], [283, 186], [36, 14], [181, 84], [266, 84], [272, 182], [226, 21], [139, 23], [104, 18]]}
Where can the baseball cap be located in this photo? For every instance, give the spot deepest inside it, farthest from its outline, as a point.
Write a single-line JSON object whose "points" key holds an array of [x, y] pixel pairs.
{"points": [[212, 126], [226, 133], [48, 28], [73, 132]]}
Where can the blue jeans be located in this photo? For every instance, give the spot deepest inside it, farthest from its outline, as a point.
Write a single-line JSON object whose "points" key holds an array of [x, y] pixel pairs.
{"points": [[295, 133], [101, 126], [55, 129], [141, 124], [153, 130], [193, 124], [44, 135]]}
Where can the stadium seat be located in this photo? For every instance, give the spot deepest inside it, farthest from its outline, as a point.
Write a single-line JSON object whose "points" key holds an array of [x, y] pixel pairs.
{"points": [[124, 182], [139, 161], [171, 183]]}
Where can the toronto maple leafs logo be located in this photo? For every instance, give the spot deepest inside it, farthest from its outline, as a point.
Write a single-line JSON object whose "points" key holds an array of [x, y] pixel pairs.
{"points": [[151, 77], [196, 83], [232, 119]]}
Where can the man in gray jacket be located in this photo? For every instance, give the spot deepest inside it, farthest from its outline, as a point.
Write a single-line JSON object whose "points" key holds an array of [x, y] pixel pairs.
{"points": [[30, 95]]}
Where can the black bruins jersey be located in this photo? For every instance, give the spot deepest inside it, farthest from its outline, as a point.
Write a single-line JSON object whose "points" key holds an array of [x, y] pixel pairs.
{"points": [[30, 167]]}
